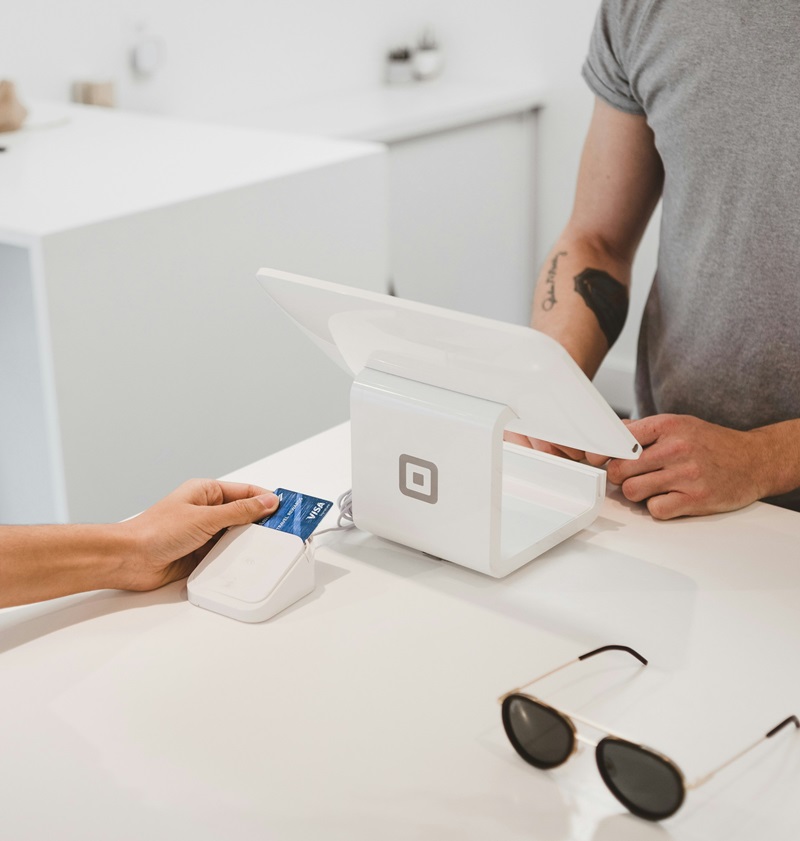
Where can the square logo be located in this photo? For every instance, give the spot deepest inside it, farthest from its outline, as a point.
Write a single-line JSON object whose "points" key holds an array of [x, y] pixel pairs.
{"points": [[419, 479]]}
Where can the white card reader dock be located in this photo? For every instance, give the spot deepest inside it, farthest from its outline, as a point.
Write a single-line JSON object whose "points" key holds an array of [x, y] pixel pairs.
{"points": [[434, 391], [252, 573]]}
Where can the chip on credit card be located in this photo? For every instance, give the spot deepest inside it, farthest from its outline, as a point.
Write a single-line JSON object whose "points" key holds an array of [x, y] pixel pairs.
{"points": [[297, 513]]}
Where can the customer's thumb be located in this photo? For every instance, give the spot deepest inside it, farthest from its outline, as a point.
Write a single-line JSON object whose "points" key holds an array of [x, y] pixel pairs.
{"points": [[242, 511]]}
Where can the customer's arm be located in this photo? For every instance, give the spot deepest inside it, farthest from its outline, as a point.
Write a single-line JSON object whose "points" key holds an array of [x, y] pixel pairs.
{"points": [[161, 545]]}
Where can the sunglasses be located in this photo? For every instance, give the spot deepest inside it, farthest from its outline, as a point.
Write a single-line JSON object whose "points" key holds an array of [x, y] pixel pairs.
{"points": [[646, 782]]}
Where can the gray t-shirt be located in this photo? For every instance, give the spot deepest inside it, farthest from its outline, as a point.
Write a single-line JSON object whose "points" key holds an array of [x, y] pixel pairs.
{"points": [[719, 83]]}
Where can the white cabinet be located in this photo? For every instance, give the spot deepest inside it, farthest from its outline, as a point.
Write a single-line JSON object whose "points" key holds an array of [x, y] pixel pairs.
{"points": [[136, 347], [461, 217], [461, 186]]}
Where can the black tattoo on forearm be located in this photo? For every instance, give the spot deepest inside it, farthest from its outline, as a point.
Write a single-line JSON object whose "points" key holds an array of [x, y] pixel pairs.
{"points": [[606, 298], [550, 283]]}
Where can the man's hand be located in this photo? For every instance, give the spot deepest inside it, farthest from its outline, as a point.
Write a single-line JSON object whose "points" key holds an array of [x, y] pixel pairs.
{"points": [[544, 446], [169, 539], [689, 466]]}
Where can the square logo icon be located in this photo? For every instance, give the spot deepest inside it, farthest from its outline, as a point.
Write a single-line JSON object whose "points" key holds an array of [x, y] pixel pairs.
{"points": [[419, 479]]}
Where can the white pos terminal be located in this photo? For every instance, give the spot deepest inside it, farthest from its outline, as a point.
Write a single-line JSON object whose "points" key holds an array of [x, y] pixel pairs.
{"points": [[433, 392]]}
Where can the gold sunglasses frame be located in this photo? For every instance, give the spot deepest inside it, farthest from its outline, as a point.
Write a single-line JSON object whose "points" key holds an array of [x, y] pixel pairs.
{"points": [[570, 719]]}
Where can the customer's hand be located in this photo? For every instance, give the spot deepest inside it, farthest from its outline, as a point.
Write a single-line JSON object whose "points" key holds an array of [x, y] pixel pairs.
{"points": [[168, 540], [688, 466]]}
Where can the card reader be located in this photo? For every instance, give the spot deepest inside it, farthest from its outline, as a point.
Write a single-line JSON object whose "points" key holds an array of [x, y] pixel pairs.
{"points": [[252, 573]]}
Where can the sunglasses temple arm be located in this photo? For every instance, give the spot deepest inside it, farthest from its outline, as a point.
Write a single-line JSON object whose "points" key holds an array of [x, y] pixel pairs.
{"points": [[537, 679], [572, 662], [706, 777]]}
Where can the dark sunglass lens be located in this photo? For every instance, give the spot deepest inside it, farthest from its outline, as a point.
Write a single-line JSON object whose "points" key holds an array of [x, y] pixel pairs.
{"points": [[646, 784], [539, 735]]}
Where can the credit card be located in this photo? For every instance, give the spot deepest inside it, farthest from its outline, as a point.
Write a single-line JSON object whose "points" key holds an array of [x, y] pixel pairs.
{"points": [[297, 513]]}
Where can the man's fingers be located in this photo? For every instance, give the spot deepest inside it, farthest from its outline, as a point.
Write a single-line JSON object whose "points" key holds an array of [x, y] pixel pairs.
{"points": [[619, 470], [645, 485], [669, 505], [647, 430], [570, 452], [518, 439], [543, 446], [645, 435]]}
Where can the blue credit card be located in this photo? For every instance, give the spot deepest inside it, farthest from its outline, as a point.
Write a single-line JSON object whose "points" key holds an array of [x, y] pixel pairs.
{"points": [[297, 513]]}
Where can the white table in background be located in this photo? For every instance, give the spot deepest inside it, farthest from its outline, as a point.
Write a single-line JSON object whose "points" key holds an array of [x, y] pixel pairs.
{"points": [[462, 183], [136, 348], [368, 710]]}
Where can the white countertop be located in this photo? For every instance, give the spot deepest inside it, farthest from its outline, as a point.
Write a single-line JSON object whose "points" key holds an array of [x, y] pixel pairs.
{"points": [[397, 112], [368, 709], [74, 165]]}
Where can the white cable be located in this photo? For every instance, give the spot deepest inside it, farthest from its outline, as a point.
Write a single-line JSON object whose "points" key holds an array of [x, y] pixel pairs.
{"points": [[344, 503]]}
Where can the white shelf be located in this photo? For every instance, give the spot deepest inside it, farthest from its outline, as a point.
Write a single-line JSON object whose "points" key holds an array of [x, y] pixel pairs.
{"points": [[392, 113], [76, 165]]}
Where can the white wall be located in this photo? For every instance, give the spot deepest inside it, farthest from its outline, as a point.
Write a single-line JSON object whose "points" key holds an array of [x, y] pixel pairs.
{"points": [[224, 59], [232, 55]]}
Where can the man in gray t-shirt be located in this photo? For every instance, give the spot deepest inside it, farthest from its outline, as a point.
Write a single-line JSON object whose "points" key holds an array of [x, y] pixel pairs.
{"points": [[697, 103]]}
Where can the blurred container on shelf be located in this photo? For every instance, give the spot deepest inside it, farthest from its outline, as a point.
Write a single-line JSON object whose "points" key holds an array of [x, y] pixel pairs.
{"points": [[12, 111], [428, 59], [94, 93]]}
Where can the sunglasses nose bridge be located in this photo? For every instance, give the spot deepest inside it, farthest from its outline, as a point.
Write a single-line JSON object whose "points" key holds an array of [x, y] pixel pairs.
{"points": [[585, 740]]}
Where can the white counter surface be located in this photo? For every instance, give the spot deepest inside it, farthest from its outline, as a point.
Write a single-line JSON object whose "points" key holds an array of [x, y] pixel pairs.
{"points": [[74, 165], [128, 251], [368, 710], [399, 112]]}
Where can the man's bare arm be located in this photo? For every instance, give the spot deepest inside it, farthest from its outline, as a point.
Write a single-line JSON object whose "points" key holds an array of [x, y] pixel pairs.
{"points": [[688, 466], [581, 298]]}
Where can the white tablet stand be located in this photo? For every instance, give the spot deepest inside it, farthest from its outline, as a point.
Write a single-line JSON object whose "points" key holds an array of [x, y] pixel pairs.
{"points": [[434, 391]]}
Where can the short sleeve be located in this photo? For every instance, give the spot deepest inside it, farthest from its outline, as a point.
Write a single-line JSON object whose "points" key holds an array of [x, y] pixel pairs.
{"points": [[604, 69]]}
